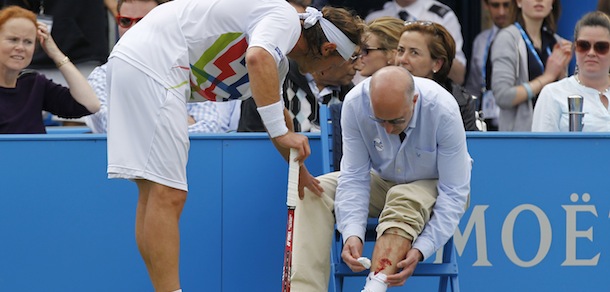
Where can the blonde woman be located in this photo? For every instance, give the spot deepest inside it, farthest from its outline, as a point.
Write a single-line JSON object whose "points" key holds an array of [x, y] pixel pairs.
{"points": [[379, 45]]}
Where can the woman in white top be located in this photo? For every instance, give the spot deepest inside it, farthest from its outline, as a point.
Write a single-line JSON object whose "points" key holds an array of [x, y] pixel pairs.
{"points": [[591, 81]]}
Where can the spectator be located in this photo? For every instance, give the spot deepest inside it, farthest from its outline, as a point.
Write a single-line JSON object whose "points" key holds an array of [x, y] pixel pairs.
{"points": [[24, 94], [427, 49], [476, 83], [209, 50], [80, 29], [229, 113], [418, 195], [592, 43], [522, 62], [303, 94], [203, 116], [430, 10], [380, 43]]}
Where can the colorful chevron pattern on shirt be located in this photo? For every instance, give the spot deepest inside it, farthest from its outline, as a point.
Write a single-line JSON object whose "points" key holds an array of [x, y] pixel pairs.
{"points": [[220, 74]]}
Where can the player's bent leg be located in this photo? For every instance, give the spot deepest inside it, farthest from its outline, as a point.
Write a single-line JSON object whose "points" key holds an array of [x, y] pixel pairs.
{"points": [[161, 236], [313, 232], [143, 191]]}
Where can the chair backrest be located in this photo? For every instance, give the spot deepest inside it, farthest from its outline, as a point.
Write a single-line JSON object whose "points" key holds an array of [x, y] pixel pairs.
{"points": [[337, 138], [326, 139], [330, 133]]}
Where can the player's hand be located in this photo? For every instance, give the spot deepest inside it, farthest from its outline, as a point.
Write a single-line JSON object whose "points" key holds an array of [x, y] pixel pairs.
{"points": [[407, 265], [306, 180], [352, 250], [296, 141]]}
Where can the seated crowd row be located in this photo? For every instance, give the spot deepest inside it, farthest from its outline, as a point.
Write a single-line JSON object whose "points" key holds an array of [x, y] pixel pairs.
{"points": [[517, 77]]}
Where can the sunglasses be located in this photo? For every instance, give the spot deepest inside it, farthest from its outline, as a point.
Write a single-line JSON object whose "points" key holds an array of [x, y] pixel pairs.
{"points": [[419, 22], [414, 25], [127, 22], [365, 51], [599, 47], [497, 5], [391, 122]]}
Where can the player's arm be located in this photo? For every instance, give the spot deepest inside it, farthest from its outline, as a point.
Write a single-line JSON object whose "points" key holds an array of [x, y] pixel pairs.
{"points": [[265, 86]]}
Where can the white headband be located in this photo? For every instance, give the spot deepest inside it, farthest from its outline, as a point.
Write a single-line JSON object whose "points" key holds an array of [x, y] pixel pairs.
{"points": [[345, 47]]}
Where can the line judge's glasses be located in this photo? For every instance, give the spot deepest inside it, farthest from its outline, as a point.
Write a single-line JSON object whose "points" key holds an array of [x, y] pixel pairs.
{"points": [[391, 122], [127, 22], [601, 48]]}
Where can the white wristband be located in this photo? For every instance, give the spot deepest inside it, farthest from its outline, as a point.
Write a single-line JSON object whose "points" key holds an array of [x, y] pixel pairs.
{"points": [[273, 118]]}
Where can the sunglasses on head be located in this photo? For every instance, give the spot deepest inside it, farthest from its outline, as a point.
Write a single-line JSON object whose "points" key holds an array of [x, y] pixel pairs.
{"points": [[422, 23], [392, 122], [497, 5], [127, 22], [599, 47]]}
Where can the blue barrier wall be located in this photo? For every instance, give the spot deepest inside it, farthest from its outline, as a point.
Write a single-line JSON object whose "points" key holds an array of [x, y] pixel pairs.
{"points": [[539, 216]]}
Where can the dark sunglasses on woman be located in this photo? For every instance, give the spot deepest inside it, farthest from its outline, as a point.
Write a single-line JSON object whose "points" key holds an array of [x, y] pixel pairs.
{"points": [[601, 48]]}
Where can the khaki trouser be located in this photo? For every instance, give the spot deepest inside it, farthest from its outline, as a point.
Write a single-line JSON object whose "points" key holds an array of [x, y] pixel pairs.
{"points": [[406, 207]]}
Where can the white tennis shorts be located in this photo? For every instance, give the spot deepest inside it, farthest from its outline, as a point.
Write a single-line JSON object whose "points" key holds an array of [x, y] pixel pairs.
{"points": [[147, 128]]}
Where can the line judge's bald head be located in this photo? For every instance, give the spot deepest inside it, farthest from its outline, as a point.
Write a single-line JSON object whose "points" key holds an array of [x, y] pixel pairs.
{"points": [[392, 82]]}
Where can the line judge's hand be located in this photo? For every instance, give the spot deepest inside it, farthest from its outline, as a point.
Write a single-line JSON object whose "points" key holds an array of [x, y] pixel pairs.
{"points": [[414, 256], [296, 141], [352, 250]]}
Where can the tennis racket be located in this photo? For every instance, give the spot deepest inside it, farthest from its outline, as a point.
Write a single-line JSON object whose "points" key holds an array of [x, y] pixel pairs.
{"points": [[291, 202]]}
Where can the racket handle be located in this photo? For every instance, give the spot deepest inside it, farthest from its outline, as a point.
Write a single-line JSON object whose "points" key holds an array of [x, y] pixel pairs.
{"points": [[293, 179]]}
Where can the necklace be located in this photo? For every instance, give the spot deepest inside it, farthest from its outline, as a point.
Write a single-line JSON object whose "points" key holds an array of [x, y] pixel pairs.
{"points": [[600, 92]]}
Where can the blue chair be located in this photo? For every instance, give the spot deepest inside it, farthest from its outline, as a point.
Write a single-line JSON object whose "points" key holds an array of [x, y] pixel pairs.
{"points": [[326, 139], [330, 131], [447, 270]]}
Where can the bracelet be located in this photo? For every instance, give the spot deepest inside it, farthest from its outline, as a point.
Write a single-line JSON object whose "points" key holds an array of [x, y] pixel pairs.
{"points": [[273, 119], [528, 89], [63, 61]]}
